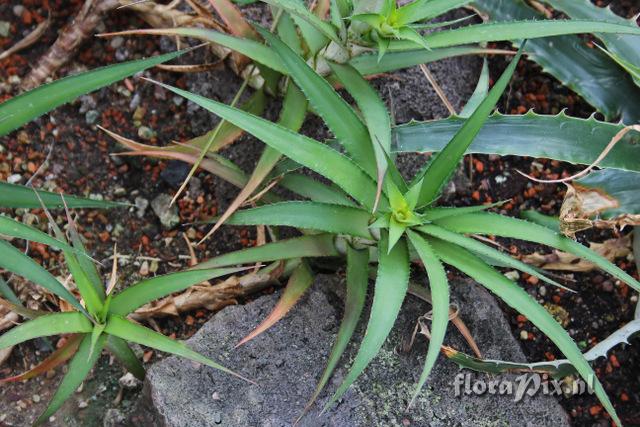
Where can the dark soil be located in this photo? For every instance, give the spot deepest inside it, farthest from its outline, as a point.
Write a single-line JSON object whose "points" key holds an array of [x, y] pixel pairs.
{"points": [[80, 163]]}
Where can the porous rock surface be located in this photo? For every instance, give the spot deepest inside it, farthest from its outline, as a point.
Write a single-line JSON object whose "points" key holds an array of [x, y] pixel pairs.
{"points": [[287, 360]]}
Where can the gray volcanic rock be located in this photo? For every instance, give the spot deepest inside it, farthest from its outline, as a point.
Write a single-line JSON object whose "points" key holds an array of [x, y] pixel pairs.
{"points": [[287, 360]]}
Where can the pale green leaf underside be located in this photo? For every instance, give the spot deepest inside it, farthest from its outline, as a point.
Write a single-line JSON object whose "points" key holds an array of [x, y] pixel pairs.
{"points": [[559, 137]]}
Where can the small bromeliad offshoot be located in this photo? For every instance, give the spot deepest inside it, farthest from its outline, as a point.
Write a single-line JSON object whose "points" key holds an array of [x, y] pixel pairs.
{"points": [[97, 320]]}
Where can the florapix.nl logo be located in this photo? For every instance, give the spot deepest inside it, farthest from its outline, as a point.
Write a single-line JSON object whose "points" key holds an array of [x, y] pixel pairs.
{"points": [[528, 384]]}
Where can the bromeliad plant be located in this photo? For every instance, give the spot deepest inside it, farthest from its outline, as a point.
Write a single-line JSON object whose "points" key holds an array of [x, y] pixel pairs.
{"points": [[94, 322], [374, 37], [98, 319], [372, 215]]}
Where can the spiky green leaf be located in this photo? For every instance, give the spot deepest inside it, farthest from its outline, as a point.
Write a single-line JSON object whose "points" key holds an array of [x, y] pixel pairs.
{"points": [[390, 289], [521, 301], [373, 109], [79, 368], [13, 260], [484, 251], [515, 30], [357, 283], [19, 196], [121, 350], [133, 332], [445, 162], [335, 219], [34, 103], [559, 137], [337, 114], [421, 10], [368, 64], [44, 326], [298, 9], [306, 151], [439, 285], [314, 190], [499, 225]]}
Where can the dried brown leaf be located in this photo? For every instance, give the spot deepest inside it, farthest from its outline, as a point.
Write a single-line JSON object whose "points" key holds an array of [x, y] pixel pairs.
{"points": [[557, 260]]}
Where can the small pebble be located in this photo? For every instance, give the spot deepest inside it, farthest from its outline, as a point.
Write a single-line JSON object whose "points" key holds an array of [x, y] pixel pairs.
{"points": [[153, 267], [91, 117], [542, 291], [123, 91], [138, 115], [87, 102], [128, 381], [167, 213], [141, 204], [14, 80], [35, 398], [122, 54], [14, 179], [120, 191], [191, 233], [144, 268], [512, 275], [5, 28], [524, 335], [118, 230], [145, 132], [23, 138], [116, 42], [135, 102], [82, 404], [18, 10], [217, 417], [607, 286]]}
